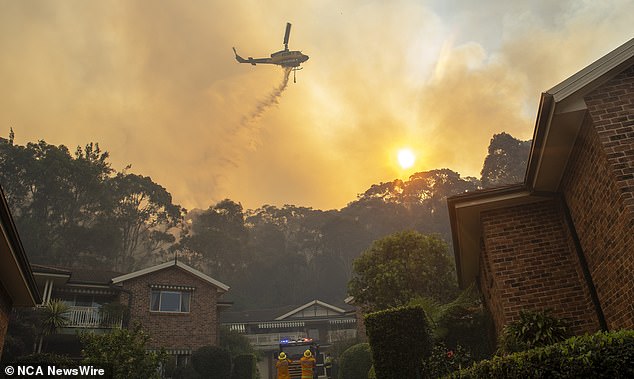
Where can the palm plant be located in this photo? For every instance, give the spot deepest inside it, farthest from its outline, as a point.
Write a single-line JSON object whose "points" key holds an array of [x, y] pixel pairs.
{"points": [[54, 315]]}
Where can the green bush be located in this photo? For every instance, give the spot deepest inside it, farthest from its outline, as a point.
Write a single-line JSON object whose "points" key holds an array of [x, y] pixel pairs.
{"points": [[400, 340], [600, 355], [122, 351], [43, 361], [533, 329], [212, 362], [355, 362], [236, 342], [47, 359], [183, 372], [112, 312], [244, 367], [443, 360]]}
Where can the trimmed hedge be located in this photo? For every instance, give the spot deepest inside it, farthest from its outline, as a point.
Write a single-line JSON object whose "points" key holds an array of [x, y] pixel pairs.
{"points": [[212, 362], [600, 355], [244, 367], [400, 340], [355, 362]]}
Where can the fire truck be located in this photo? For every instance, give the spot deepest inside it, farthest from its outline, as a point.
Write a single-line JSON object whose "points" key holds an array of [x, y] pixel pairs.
{"points": [[294, 350]]}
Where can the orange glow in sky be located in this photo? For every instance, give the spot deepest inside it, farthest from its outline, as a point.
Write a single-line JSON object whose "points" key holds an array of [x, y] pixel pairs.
{"points": [[157, 86]]}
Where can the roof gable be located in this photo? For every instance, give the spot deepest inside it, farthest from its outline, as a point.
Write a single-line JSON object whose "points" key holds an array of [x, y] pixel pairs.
{"points": [[221, 286], [562, 112], [314, 308], [595, 74]]}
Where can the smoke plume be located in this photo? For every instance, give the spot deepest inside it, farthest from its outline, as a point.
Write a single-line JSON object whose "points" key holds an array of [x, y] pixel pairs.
{"points": [[272, 99], [160, 89]]}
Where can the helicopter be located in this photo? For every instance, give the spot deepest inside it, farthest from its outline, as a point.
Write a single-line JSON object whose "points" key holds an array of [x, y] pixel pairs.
{"points": [[284, 58]]}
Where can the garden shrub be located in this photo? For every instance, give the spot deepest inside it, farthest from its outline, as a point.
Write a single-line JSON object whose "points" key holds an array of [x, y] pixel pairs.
{"points": [[400, 340], [244, 367], [600, 355], [112, 312], [40, 363], [122, 353], [183, 372], [212, 362], [533, 329], [46, 359], [444, 361], [355, 362]]}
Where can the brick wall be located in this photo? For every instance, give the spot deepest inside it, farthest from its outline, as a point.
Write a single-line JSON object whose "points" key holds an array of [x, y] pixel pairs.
{"points": [[490, 289], [528, 263], [190, 330], [5, 311], [599, 189]]}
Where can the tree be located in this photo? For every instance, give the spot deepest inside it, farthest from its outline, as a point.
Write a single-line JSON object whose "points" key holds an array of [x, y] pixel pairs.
{"points": [[399, 267], [506, 161], [21, 338], [234, 342], [78, 211], [219, 235], [212, 362], [124, 352], [54, 197], [419, 203], [143, 211]]}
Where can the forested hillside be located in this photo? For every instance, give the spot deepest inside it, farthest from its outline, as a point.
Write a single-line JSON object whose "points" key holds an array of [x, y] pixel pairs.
{"points": [[74, 209]]}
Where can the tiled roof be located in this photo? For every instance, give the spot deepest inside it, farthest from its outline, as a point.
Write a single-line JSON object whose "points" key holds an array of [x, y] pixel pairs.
{"points": [[266, 314], [45, 269], [254, 315], [78, 275], [93, 276]]}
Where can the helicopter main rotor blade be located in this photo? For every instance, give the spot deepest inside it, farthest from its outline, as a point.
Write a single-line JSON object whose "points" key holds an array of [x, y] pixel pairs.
{"points": [[287, 34]]}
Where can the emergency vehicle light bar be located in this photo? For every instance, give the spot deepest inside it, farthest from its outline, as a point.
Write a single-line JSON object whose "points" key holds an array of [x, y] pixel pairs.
{"points": [[286, 341]]}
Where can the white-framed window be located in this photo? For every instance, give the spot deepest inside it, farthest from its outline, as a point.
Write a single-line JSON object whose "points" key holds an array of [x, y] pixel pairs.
{"points": [[170, 301]]}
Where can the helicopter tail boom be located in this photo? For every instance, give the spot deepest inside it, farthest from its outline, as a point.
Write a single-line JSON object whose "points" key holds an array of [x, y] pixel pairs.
{"points": [[242, 60]]}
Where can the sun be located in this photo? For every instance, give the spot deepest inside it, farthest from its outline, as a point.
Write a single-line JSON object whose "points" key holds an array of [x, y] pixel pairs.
{"points": [[406, 158]]}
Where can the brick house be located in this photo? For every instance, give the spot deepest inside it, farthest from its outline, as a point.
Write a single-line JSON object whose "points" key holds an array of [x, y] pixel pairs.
{"points": [[17, 286], [176, 304], [562, 239], [324, 323]]}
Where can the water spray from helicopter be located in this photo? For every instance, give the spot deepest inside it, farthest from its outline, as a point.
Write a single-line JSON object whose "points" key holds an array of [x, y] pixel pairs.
{"points": [[290, 61], [272, 99]]}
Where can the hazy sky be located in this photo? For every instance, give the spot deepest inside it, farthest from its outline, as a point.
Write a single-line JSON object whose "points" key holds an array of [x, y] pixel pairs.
{"points": [[156, 84]]}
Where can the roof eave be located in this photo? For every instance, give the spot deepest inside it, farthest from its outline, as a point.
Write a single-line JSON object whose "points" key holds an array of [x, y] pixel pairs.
{"points": [[221, 286], [20, 280], [561, 113]]}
